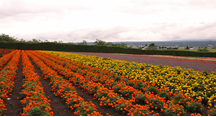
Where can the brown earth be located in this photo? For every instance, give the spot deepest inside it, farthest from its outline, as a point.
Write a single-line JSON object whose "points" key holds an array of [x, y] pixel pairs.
{"points": [[15, 108]]}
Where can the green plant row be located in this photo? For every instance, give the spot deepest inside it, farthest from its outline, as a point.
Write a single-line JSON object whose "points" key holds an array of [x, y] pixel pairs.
{"points": [[103, 49]]}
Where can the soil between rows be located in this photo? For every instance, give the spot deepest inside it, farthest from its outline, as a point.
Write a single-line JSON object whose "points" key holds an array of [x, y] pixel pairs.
{"points": [[15, 108], [67, 111], [13, 105], [57, 104]]}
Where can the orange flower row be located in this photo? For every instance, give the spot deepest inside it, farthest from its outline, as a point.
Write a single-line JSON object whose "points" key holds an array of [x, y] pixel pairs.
{"points": [[34, 100], [108, 79], [64, 89], [152, 94], [6, 58], [2, 106], [104, 76], [107, 97], [7, 75]]}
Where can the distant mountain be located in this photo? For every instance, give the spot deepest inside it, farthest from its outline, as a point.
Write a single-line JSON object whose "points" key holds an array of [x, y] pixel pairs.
{"points": [[176, 43], [170, 43]]}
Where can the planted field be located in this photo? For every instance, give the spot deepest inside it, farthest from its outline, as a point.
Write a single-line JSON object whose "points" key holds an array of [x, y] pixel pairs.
{"points": [[195, 63], [5, 51], [57, 83]]}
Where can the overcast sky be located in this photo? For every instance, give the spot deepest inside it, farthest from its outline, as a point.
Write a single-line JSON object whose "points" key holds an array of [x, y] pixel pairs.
{"points": [[109, 20]]}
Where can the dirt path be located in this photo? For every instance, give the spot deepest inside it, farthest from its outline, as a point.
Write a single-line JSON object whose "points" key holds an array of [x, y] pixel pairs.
{"points": [[102, 110], [84, 95], [14, 107], [57, 104]]}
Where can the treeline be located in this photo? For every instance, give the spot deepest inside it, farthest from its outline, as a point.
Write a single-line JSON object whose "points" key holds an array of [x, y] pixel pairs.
{"points": [[99, 46], [103, 49], [8, 39]]}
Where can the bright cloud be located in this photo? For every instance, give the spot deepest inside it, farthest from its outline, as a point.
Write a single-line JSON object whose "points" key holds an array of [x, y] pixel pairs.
{"points": [[110, 20]]}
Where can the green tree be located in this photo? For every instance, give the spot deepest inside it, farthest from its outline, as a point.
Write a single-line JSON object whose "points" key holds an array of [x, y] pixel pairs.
{"points": [[83, 43], [99, 42], [110, 44], [34, 41], [7, 38], [152, 46], [203, 49], [122, 45]]}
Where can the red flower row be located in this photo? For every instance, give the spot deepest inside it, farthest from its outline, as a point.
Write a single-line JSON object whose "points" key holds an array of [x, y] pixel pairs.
{"points": [[5, 59], [5, 51], [152, 95], [64, 89], [34, 101], [7, 76], [107, 97]]}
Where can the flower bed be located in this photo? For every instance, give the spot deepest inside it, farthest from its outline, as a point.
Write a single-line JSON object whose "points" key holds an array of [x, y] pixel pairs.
{"points": [[155, 102], [100, 92], [208, 64], [5, 51], [5, 59], [65, 90], [34, 101], [198, 85], [7, 76]]}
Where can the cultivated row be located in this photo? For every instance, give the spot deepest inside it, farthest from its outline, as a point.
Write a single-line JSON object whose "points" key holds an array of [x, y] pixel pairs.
{"points": [[88, 81], [7, 75]]}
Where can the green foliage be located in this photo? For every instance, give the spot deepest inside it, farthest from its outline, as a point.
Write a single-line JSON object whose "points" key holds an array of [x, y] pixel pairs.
{"points": [[151, 48], [99, 42], [212, 112], [102, 49], [174, 110], [164, 94], [109, 44], [7, 38], [202, 50], [83, 43], [36, 111]]}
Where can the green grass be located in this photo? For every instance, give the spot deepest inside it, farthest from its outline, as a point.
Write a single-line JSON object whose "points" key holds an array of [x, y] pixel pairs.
{"points": [[211, 50]]}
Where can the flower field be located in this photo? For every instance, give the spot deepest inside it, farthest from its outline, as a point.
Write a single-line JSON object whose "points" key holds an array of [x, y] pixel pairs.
{"points": [[5, 51], [195, 63], [109, 86]]}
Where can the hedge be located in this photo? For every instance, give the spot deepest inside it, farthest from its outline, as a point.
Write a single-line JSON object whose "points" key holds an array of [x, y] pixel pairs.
{"points": [[103, 49]]}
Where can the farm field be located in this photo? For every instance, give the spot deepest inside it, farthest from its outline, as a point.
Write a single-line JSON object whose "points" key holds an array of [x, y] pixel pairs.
{"points": [[196, 63], [57, 83], [4, 51]]}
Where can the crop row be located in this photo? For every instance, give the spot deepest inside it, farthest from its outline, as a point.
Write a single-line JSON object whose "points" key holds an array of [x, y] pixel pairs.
{"points": [[107, 97], [65, 90], [196, 84], [7, 75], [34, 101], [5, 59], [86, 77], [5, 51]]}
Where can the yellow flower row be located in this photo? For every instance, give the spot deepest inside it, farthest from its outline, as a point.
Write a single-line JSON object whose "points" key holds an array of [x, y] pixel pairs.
{"points": [[196, 84]]}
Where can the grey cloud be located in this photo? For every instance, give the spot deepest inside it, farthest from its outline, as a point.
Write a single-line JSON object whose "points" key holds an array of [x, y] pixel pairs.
{"points": [[204, 31], [90, 35], [160, 32]]}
